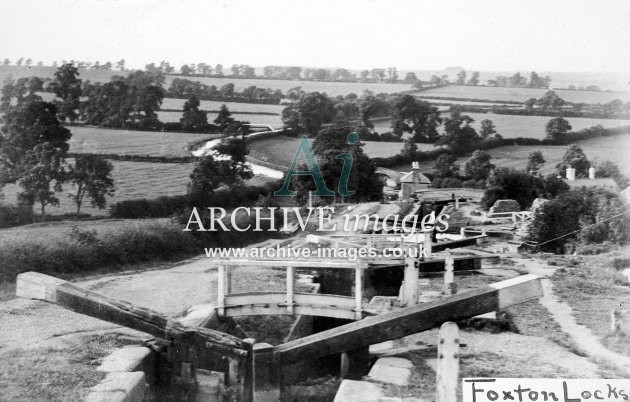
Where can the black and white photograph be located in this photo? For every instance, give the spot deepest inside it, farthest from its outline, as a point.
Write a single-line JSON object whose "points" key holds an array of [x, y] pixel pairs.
{"points": [[314, 201]]}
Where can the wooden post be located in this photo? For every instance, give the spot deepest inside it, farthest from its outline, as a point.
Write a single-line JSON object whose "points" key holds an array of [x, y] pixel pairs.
{"points": [[228, 280], [428, 242], [410, 282], [450, 287], [247, 372], [221, 290], [290, 282], [351, 362], [266, 374], [462, 232], [448, 363], [456, 203], [358, 293]]}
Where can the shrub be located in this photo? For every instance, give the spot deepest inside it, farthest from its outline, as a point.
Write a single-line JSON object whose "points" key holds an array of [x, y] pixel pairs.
{"points": [[83, 250], [580, 217], [11, 215]]}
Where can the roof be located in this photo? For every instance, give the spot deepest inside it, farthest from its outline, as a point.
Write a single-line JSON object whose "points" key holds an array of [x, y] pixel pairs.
{"points": [[597, 182], [408, 178]]}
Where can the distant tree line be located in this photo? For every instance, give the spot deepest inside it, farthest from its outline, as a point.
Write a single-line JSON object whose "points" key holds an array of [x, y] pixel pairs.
{"points": [[182, 88]]}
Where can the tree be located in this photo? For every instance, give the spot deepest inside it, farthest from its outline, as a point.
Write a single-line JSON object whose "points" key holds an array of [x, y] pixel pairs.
{"points": [[529, 104], [414, 116], [67, 86], [474, 80], [519, 185], [133, 99], [186, 70], [227, 166], [461, 78], [478, 166], [227, 90], [459, 135], [22, 90], [534, 162], [410, 148], [410, 78], [369, 106], [551, 100], [91, 176], [223, 119], [557, 129], [194, 119], [362, 179], [33, 147], [610, 169], [507, 183], [487, 128], [308, 113], [580, 216], [574, 157], [446, 166], [120, 65]]}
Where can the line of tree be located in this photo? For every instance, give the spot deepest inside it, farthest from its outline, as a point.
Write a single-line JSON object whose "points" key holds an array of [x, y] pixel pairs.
{"points": [[519, 81], [182, 88], [88, 65]]}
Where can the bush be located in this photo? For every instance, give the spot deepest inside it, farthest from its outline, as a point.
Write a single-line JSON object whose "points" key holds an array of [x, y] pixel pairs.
{"points": [[11, 215], [166, 206], [84, 250], [580, 217]]}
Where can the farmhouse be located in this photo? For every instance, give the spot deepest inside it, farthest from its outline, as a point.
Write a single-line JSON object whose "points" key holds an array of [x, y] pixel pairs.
{"points": [[412, 181], [402, 186]]}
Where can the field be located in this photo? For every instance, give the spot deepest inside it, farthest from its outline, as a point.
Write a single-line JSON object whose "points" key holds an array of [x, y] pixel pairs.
{"points": [[133, 180], [521, 94], [127, 142], [331, 88], [615, 149], [234, 107], [274, 121], [510, 126], [280, 150]]}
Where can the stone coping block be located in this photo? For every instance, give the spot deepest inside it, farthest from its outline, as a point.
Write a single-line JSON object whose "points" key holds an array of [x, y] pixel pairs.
{"points": [[119, 387], [358, 391], [391, 370], [126, 359]]}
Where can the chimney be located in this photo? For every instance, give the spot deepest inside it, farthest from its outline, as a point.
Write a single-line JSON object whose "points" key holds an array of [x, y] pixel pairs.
{"points": [[415, 172], [570, 174], [591, 173]]}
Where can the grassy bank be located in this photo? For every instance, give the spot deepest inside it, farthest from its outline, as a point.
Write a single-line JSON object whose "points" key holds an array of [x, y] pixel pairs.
{"points": [[593, 286], [65, 248]]}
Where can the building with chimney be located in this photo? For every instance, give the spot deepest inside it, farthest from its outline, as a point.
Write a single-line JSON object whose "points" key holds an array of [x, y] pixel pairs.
{"points": [[412, 181], [591, 181]]}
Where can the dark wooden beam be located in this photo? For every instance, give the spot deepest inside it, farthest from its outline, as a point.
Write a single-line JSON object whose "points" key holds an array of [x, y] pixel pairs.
{"points": [[410, 320], [34, 285]]}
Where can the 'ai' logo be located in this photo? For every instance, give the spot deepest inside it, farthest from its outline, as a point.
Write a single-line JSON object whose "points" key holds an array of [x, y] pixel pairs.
{"points": [[313, 170]]}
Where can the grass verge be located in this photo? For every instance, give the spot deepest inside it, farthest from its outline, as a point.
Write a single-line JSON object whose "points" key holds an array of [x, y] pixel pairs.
{"points": [[593, 286]]}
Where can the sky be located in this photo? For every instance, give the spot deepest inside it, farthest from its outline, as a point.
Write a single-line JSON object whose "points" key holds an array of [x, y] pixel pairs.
{"points": [[486, 35]]}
